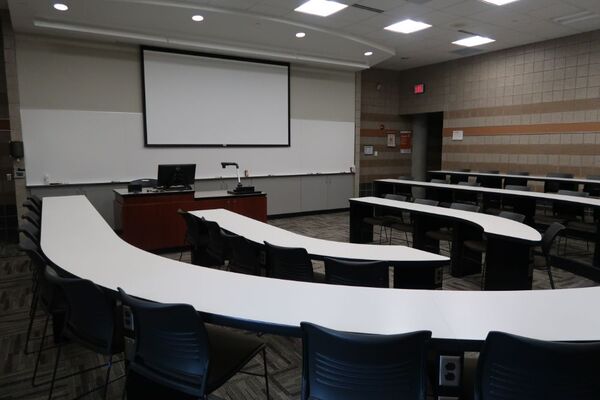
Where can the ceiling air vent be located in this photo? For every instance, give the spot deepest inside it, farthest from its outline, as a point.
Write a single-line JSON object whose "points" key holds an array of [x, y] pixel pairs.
{"points": [[467, 52], [367, 8], [577, 17]]}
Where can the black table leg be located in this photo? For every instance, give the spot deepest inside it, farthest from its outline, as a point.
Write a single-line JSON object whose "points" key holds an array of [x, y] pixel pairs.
{"points": [[464, 261], [509, 265], [359, 231], [421, 224]]}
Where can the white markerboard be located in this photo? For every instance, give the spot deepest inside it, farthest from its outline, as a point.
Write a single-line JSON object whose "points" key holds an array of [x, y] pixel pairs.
{"points": [[74, 147]]}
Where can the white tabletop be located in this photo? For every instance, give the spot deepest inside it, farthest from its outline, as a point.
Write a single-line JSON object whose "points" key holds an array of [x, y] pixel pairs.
{"points": [[491, 224], [586, 201], [259, 232], [527, 177], [75, 237]]}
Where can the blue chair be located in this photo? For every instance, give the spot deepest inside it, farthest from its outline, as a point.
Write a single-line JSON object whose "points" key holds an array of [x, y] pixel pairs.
{"points": [[357, 273], [196, 236], [352, 366], [517, 368], [244, 255], [174, 348], [89, 322], [289, 263], [216, 246]]}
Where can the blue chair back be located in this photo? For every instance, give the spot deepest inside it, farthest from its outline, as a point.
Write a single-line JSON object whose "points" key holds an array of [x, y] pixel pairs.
{"points": [[90, 314], [289, 263], [357, 273], [171, 344], [351, 366], [517, 368]]}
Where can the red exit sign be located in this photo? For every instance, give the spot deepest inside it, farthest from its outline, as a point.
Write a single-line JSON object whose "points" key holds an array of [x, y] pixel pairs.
{"points": [[419, 88]]}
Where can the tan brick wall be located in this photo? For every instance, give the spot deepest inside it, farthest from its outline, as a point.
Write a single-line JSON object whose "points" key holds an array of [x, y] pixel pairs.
{"points": [[379, 106], [534, 108]]}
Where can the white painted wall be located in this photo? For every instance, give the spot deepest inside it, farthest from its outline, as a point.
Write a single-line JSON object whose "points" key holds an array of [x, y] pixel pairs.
{"points": [[81, 109]]}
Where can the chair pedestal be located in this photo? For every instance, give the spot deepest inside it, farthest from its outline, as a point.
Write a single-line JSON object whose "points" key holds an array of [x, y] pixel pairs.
{"points": [[508, 265]]}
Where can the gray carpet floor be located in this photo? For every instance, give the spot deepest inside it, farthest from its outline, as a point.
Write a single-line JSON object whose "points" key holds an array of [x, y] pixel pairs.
{"points": [[284, 353]]}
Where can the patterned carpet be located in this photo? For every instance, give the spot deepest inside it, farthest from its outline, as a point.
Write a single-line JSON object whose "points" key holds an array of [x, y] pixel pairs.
{"points": [[284, 354]]}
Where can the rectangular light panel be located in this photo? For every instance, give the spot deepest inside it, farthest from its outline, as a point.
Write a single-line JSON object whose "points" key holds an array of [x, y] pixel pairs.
{"points": [[322, 8], [499, 2], [473, 41], [407, 26]]}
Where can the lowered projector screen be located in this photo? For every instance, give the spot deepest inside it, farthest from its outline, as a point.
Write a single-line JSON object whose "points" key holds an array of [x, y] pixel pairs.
{"points": [[205, 100]]}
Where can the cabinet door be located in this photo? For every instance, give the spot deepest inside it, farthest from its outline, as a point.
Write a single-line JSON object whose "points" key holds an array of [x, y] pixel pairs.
{"points": [[250, 206], [314, 193], [339, 189]]}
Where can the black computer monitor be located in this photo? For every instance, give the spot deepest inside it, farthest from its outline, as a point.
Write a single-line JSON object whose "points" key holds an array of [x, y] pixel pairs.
{"points": [[173, 176]]}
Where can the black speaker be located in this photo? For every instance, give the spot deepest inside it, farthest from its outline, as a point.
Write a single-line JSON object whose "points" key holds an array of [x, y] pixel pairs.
{"points": [[134, 188], [16, 149]]}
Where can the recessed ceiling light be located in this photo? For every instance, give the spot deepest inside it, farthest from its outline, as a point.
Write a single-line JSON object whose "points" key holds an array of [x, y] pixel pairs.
{"points": [[322, 8], [407, 26], [368, 53], [61, 7], [473, 41], [500, 2], [197, 18], [300, 35]]}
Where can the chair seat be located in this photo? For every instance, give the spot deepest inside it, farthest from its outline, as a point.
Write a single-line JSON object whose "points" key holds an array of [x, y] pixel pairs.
{"points": [[548, 220], [582, 227], [229, 352], [374, 220], [442, 234], [394, 219], [402, 227], [479, 246], [493, 211]]}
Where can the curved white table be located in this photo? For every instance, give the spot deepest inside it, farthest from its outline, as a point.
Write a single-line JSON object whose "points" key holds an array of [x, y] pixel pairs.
{"points": [[490, 224], [508, 245], [259, 232], [413, 268], [76, 238], [585, 201], [527, 203], [526, 177]]}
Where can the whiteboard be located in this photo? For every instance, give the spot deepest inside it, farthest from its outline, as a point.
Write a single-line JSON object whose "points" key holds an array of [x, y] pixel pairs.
{"points": [[196, 100], [75, 146]]}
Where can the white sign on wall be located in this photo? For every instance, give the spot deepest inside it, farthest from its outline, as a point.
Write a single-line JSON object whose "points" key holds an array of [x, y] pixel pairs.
{"points": [[457, 135]]}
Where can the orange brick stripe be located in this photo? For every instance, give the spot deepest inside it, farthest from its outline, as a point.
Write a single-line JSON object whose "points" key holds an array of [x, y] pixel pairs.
{"points": [[533, 129], [375, 162], [570, 149], [372, 117], [536, 108]]}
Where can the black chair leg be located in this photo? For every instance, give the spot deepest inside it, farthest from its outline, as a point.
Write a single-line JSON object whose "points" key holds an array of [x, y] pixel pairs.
{"points": [[124, 393], [39, 354], [58, 351], [549, 270], [34, 302], [106, 381], [550, 277], [266, 372], [482, 285]]}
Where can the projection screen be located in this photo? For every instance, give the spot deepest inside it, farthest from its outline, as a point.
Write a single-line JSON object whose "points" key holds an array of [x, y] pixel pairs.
{"points": [[204, 100]]}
